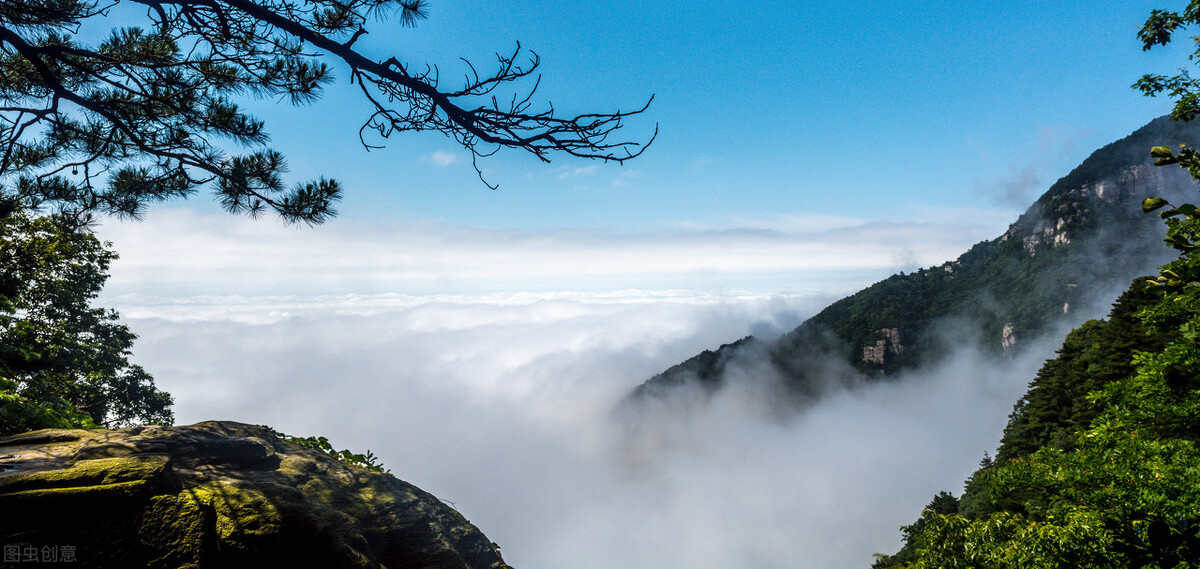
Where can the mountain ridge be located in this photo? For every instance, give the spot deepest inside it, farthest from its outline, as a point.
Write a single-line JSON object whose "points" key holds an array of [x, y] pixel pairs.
{"points": [[1052, 265]]}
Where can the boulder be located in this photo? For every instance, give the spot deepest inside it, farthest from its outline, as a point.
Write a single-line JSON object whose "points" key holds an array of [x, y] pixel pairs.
{"points": [[217, 494]]}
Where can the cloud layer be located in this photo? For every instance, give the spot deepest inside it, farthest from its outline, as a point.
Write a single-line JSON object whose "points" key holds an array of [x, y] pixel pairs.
{"points": [[505, 409], [484, 366], [180, 253]]}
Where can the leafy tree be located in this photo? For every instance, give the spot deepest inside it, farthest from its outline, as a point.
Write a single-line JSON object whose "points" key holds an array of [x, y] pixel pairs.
{"points": [[1092, 356], [139, 116], [63, 362], [943, 503]]}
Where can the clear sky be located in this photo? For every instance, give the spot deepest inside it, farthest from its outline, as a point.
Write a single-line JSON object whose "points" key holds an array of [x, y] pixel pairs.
{"points": [[769, 112]]}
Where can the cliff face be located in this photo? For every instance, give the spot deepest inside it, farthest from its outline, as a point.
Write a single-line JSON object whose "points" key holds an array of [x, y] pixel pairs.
{"points": [[1072, 210], [887, 347], [1071, 251], [221, 495]]}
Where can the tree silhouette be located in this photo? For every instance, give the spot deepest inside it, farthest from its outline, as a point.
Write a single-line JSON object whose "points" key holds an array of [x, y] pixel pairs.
{"points": [[140, 116]]}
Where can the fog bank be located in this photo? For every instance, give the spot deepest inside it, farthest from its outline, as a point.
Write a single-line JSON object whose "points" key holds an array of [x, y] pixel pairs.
{"points": [[502, 405], [182, 253]]}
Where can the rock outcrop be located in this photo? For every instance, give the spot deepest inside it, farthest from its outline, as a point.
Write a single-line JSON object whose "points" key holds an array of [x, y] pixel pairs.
{"points": [[1008, 337], [217, 494], [887, 346], [1053, 225]]}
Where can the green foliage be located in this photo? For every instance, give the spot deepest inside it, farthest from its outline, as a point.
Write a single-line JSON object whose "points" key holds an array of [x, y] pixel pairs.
{"points": [[943, 504], [1007, 540], [1092, 356], [1117, 492], [63, 362], [1158, 30], [368, 460]]}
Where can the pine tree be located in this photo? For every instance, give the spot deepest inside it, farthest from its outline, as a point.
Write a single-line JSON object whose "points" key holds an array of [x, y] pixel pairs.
{"points": [[141, 115]]}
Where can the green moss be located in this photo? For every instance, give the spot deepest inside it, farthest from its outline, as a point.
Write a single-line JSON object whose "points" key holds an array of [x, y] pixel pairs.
{"points": [[96, 472], [241, 511], [46, 436], [227, 497], [173, 533], [84, 496]]}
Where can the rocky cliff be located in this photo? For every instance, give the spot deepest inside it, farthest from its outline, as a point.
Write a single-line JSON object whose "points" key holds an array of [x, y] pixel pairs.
{"points": [[217, 494], [1070, 253]]}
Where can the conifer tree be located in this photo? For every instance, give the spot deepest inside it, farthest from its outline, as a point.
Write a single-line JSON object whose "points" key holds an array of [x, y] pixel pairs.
{"points": [[141, 115]]}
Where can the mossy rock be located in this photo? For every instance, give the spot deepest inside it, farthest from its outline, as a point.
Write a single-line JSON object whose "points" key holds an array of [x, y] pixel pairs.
{"points": [[221, 495]]}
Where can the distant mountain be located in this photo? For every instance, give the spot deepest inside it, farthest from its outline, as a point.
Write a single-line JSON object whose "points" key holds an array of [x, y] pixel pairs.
{"points": [[1069, 254]]}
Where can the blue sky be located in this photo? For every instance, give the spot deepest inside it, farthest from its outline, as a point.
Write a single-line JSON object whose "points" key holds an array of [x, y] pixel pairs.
{"points": [[889, 136], [770, 110]]}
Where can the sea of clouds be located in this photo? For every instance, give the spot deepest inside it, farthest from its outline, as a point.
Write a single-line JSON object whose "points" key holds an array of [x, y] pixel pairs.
{"points": [[501, 402]]}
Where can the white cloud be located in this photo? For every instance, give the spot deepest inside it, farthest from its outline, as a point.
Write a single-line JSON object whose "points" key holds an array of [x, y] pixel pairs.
{"points": [[1020, 182], [800, 223], [456, 355], [503, 406], [1017, 187], [180, 253], [626, 178], [565, 172], [441, 158]]}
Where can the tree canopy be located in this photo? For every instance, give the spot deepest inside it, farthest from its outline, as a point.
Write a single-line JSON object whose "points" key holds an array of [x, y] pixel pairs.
{"points": [[146, 113], [1159, 30], [64, 362]]}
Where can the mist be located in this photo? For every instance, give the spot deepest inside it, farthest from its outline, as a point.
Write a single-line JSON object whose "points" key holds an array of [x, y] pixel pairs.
{"points": [[503, 406], [410, 342]]}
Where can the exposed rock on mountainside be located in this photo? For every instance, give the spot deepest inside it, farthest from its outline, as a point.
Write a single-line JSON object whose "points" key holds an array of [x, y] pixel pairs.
{"points": [[1068, 255], [218, 494], [1052, 229], [888, 346], [1008, 339]]}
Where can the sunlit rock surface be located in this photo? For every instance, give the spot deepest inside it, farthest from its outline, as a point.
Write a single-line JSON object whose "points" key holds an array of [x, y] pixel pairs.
{"points": [[217, 494]]}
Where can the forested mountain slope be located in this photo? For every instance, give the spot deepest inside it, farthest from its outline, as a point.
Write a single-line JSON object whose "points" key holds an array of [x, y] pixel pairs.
{"points": [[1099, 461], [1077, 246]]}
